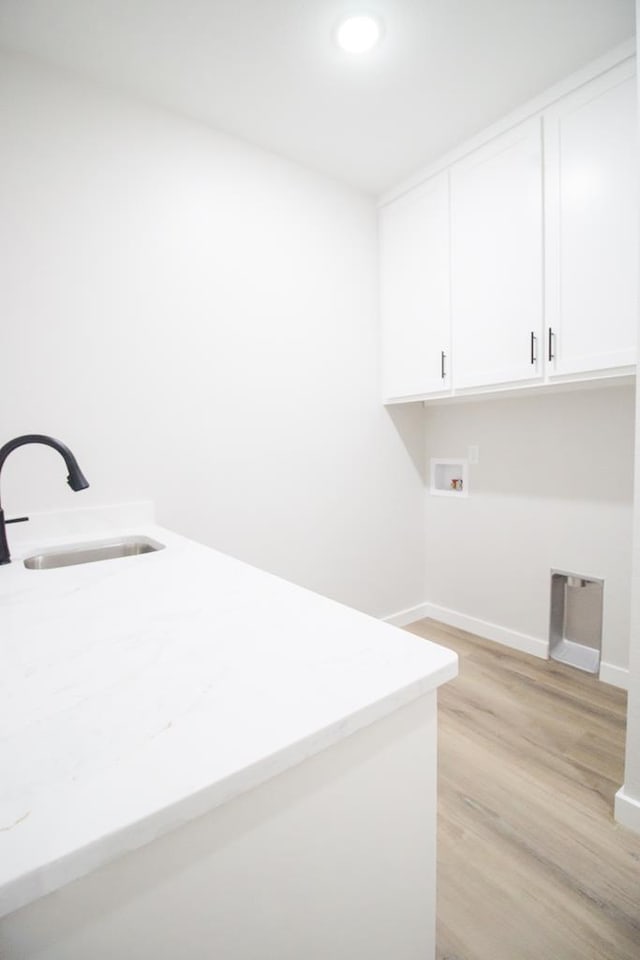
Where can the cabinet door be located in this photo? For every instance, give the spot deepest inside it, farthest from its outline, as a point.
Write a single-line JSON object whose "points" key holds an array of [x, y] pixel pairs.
{"points": [[414, 264], [591, 225], [496, 260]]}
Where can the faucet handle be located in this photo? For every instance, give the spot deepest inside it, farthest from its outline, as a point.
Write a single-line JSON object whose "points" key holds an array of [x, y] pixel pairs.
{"points": [[17, 520]]}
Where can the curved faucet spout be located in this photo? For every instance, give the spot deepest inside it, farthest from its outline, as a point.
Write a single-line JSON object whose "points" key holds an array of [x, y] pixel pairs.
{"points": [[76, 478]]}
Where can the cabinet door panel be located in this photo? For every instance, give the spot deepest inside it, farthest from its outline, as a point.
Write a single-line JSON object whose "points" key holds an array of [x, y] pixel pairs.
{"points": [[496, 235], [591, 225], [414, 261]]}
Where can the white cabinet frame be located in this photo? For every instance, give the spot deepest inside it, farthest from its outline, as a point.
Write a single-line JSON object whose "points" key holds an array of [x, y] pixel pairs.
{"points": [[573, 336]]}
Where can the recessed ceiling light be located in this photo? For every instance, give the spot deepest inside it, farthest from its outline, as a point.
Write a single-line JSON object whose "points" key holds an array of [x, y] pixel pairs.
{"points": [[359, 34]]}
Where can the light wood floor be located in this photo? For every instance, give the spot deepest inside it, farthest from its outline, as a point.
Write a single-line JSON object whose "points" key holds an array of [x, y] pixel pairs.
{"points": [[531, 865]]}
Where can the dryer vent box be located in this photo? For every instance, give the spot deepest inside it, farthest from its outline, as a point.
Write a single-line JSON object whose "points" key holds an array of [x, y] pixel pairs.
{"points": [[575, 632]]}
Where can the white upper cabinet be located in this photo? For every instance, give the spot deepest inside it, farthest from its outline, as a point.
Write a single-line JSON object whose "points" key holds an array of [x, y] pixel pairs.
{"points": [[496, 260], [414, 260], [591, 241], [517, 263]]}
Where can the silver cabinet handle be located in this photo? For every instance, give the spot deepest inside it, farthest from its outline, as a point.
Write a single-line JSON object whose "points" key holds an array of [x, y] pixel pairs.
{"points": [[551, 336], [533, 348], [442, 359]]}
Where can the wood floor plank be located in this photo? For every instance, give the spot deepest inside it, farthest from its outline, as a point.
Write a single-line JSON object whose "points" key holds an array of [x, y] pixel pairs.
{"points": [[531, 865]]}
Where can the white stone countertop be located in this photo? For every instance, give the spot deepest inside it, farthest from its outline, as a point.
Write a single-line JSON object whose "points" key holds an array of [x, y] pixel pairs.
{"points": [[139, 693]]}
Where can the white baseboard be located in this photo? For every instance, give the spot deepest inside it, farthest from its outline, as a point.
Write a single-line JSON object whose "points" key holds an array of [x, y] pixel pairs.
{"points": [[627, 810], [609, 672], [616, 676], [405, 617], [490, 631]]}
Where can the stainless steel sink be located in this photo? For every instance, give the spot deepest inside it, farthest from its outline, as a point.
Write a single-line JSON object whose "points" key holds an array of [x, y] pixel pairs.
{"points": [[73, 554]]}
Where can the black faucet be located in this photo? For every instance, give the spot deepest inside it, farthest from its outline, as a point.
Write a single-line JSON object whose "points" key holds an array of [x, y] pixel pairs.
{"points": [[76, 478]]}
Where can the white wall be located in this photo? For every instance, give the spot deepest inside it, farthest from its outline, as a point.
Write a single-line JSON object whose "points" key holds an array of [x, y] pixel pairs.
{"points": [[197, 320], [627, 807], [628, 797], [552, 489]]}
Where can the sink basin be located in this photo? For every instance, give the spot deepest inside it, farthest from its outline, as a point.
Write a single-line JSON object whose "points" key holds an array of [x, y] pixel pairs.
{"points": [[69, 556]]}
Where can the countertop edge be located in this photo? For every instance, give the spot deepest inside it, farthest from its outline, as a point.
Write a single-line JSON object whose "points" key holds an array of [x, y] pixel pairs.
{"points": [[77, 864]]}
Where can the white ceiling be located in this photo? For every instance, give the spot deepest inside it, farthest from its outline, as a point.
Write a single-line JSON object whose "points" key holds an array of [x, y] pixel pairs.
{"points": [[268, 70]]}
